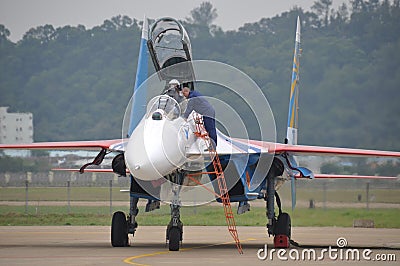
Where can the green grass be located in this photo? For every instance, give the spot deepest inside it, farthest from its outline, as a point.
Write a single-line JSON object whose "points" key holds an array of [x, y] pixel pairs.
{"points": [[103, 194], [61, 194], [204, 215], [40, 214], [343, 195]]}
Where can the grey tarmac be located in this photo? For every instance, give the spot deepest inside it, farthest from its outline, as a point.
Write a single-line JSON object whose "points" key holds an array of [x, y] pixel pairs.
{"points": [[202, 245]]}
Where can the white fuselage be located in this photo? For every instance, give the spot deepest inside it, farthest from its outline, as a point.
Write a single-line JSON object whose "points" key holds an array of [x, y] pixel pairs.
{"points": [[158, 144], [156, 148]]}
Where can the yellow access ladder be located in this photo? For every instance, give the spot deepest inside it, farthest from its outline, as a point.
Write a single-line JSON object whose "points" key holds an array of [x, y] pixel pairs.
{"points": [[219, 173]]}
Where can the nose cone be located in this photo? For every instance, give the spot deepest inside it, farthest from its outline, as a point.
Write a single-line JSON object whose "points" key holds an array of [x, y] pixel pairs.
{"points": [[155, 148]]}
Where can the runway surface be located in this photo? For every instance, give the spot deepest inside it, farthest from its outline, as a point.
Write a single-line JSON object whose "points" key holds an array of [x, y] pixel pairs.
{"points": [[90, 245]]}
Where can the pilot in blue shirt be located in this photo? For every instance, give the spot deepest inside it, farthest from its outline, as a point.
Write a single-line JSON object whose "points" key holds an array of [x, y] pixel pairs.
{"points": [[198, 103]]}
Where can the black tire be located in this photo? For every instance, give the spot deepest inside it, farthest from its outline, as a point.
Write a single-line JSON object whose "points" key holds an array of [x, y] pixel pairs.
{"points": [[119, 230], [174, 236], [283, 225]]}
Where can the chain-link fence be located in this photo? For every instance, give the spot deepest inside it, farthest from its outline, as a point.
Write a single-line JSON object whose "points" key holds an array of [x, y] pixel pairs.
{"points": [[100, 193]]}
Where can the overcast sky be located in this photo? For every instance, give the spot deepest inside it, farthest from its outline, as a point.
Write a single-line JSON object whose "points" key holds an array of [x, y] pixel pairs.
{"points": [[21, 15]]}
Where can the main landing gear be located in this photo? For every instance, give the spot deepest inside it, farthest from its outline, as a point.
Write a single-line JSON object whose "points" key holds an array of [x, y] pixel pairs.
{"points": [[122, 226], [280, 227]]}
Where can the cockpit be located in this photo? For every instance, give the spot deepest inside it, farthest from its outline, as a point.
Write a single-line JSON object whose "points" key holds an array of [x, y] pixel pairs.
{"points": [[169, 44], [163, 107]]}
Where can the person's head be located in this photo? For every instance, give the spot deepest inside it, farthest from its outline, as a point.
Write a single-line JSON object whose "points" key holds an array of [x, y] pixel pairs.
{"points": [[186, 91], [174, 84]]}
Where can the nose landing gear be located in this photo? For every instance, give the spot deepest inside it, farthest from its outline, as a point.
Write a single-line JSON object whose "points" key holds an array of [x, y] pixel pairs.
{"points": [[174, 234]]}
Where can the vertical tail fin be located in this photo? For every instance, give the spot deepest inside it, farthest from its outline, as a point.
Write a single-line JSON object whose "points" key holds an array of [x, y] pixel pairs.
{"points": [[139, 97], [291, 134]]}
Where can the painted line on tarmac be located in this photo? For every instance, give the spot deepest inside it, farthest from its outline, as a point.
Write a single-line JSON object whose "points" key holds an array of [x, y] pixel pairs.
{"points": [[130, 260]]}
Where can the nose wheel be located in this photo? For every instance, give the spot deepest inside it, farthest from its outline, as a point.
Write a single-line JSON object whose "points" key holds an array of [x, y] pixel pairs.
{"points": [[174, 237], [174, 229]]}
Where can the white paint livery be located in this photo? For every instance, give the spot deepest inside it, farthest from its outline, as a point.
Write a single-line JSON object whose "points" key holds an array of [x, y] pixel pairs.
{"points": [[157, 145]]}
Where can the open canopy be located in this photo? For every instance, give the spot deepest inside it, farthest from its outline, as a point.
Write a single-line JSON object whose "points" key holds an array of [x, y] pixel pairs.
{"points": [[169, 44]]}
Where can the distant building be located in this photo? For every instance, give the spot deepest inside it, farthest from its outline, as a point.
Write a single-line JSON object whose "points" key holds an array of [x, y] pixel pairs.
{"points": [[15, 128]]}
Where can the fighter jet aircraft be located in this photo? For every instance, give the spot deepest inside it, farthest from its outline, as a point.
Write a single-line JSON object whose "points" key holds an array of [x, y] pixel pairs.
{"points": [[169, 158]]}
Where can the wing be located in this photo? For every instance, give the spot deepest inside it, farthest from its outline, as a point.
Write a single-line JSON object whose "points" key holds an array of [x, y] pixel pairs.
{"points": [[278, 148], [111, 145], [330, 151], [105, 147]]}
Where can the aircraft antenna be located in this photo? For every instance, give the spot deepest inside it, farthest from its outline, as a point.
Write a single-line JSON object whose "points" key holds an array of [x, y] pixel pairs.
{"points": [[219, 173]]}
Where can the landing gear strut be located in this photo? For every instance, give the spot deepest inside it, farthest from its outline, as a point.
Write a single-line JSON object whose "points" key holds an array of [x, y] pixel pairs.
{"points": [[174, 234], [279, 227], [133, 212]]}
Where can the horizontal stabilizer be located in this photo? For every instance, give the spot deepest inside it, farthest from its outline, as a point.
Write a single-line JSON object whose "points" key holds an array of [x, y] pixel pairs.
{"points": [[353, 176], [303, 150]]}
